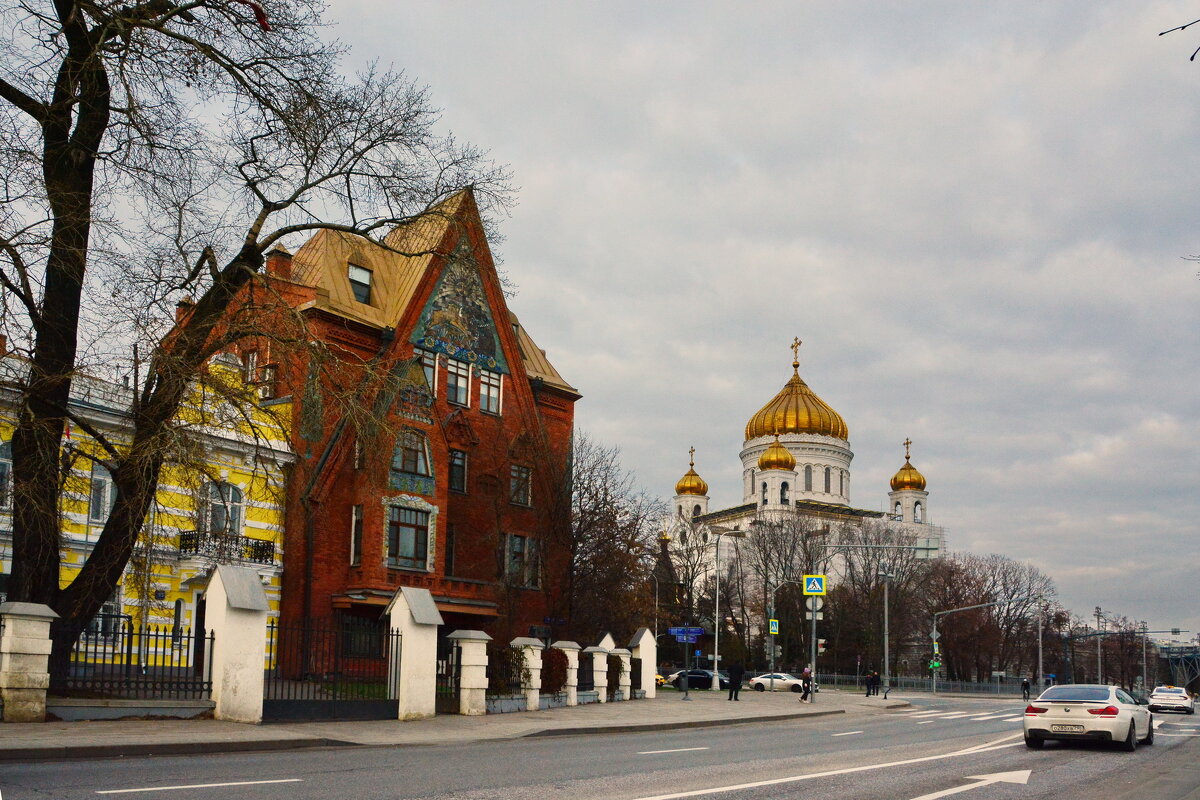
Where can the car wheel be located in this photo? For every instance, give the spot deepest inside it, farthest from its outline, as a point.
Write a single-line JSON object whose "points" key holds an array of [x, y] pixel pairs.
{"points": [[796, 688], [758, 687], [1130, 743], [1034, 743], [1191, 711], [1149, 733], [679, 683]]}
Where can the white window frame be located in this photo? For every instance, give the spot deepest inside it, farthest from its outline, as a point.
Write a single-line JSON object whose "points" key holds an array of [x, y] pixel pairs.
{"points": [[103, 478], [351, 278], [234, 509], [512, 475], [489, 379], [455, 368], [428, 358], [526, 572]]}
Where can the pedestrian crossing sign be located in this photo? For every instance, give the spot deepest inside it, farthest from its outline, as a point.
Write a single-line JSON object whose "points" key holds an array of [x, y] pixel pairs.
{"points": [[814, 584], [775, 627]]}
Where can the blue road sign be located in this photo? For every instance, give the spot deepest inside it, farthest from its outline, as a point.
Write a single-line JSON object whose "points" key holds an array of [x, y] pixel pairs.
{"points": [[699, 653], [687, 639], [814, 584], [775, 626]]}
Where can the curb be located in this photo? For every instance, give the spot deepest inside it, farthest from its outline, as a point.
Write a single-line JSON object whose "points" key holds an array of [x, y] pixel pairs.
{"points": [[668, 726], [81, 752]]}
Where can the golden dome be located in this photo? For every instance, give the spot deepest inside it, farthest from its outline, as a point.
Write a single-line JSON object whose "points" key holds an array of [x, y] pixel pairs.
{"points": [[796, 409], [776, 457], [908, 477], [691, 483]]}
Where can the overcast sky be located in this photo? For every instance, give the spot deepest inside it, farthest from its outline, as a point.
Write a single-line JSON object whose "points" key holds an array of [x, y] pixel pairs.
{"points": [[975, 215]]}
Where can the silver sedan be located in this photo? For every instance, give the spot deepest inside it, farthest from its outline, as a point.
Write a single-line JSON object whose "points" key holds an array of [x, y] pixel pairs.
{"points": [[783, 682]]}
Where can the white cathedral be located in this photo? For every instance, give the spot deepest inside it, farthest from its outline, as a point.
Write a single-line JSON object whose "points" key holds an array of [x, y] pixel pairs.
{"points": [[796, 455]]}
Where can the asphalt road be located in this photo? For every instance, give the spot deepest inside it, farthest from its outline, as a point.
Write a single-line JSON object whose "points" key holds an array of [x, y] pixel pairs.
{"points": [[938, 746]]}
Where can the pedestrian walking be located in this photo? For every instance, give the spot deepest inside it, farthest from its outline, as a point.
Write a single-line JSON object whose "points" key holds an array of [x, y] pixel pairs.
{"points": [[1025, 689], [806, 685], [867, 684], [736, 673], [875, 681]]}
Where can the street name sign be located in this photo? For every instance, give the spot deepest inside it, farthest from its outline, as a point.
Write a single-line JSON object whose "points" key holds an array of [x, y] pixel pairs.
{"points": [[686, 631], [814, 584]]}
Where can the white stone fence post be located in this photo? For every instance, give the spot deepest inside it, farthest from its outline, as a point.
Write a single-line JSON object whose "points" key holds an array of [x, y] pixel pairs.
{"points": [[625, 682], [644, 647], [599, 657], [236, 612], [472, 674], [532, 650], [24, 660], [414, 614]]}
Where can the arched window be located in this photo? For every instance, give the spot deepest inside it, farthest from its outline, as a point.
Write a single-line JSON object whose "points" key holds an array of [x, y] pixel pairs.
{"points": [[841, 483], [764, 493], [899, 510], [5, 474], [696, 510], [681, 511], [783, 493], [918, 512], [828, 479], [222, 509], [808, 479]]}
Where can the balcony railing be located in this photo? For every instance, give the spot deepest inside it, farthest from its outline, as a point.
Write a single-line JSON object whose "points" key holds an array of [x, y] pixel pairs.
{"points": [[227, 548]]}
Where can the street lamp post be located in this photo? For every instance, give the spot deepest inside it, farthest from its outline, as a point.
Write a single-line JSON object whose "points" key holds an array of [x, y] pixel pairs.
{"points": [[887, 579], [1099, 651], [716, 679]]}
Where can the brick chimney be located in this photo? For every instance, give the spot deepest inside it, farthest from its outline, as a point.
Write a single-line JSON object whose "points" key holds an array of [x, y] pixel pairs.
{"points": [[183, 308], [279, 262]]}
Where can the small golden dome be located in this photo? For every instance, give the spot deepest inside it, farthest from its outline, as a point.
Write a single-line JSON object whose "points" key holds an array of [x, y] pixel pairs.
{"points": [[797, 409], [691, 483], [908, 477], [776, 457]]}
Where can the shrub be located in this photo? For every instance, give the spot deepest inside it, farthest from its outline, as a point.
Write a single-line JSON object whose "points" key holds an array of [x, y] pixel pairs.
{"points": [[506, 670], [554, 670]]}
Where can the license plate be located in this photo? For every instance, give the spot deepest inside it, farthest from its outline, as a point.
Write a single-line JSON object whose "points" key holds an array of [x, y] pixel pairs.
{"points": [[1067, 728]]}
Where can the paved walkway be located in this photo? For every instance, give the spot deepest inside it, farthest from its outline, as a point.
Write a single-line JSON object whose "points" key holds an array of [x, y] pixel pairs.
{"points": [[57, 740]]}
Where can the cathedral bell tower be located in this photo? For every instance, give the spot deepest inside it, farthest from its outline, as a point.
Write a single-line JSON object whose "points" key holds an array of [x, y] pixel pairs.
{"points": [[908, 498], [691, 492]]}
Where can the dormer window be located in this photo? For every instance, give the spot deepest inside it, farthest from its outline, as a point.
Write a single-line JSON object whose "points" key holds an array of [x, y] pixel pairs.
{"points": [[360, 283]]}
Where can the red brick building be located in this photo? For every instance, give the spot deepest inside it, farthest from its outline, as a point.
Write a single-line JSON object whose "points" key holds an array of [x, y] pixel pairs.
{"points": [[432, 441]]}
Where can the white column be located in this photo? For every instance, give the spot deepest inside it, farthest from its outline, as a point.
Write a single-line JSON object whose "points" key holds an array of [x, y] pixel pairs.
{"points": [[24, 660], [625, 682], [599, 658], [532, 650], [644, 647], [413, 613], [236, 612], [572, 685], [472, 671]]}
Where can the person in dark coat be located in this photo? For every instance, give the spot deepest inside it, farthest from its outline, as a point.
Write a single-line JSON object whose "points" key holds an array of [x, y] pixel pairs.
{"points": [[736, 673], [806, 685], [876, 682], [868, 683]]}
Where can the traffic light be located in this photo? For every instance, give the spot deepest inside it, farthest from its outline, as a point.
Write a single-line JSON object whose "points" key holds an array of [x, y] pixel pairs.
{"points": [[820, 646], [935, 662]]}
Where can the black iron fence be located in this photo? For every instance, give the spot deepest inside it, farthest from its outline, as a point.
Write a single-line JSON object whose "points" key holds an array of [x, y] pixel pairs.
{"points": [[113, 658], [227, 547], [635, 677], [586, 677], [448, 676], [331, 668], [506, 671]]}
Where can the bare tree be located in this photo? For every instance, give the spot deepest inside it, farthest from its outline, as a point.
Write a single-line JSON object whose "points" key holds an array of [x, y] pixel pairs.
{"points": [[155, 151]]}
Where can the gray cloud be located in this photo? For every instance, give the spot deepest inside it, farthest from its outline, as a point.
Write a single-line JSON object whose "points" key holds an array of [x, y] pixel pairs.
{"points": [[974, 216]]}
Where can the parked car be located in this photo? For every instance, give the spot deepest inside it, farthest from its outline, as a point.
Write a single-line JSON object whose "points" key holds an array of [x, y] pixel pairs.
{"points": [[1172, 698], [1088, 711], [783, 682], [699, 679], [659, 680]]}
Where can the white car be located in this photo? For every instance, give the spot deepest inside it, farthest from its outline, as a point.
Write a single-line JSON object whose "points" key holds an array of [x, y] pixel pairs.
{"points": [[1172, 698], [1090, 712], [784, 682]]}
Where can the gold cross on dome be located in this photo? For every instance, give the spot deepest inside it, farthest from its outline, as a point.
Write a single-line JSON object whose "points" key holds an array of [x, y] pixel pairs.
{"points": [[692, 457], [796, 348], [907, 442]]}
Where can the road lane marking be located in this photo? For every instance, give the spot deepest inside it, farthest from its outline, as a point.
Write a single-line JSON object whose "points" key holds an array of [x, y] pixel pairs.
{"points": [[956, 714], [989, 716], [677, 750], [928, 713], [1180, 735], [998, 744], [198, 786], [1021, 777], [927, 722], [847, 733]]}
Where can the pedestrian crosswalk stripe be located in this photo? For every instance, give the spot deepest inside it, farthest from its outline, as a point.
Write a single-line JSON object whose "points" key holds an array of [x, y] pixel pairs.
{"points": [[928, 713], [956, 714]]}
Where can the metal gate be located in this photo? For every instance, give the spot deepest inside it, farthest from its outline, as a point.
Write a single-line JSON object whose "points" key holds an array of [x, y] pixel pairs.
{"points": [[335, 668], [448, 670]]}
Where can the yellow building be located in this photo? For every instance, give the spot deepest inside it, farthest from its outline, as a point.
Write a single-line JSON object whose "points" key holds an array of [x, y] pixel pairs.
{"points": [[221, 503]]}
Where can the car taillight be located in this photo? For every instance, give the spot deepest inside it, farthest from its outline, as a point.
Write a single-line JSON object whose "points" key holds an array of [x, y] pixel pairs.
{"points": [[1107, 711], [1035, 710]]}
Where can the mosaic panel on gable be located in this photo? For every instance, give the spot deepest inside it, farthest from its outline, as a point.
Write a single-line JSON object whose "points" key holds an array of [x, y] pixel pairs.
{"points": [[457, 320]]}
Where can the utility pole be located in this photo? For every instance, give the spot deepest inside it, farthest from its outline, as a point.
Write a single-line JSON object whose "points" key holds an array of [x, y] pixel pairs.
{"points": [[1099, 651], [1041, 676], [887, 579]]}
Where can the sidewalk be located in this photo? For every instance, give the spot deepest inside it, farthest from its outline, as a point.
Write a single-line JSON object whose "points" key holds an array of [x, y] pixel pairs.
{"points": [[62, 740]]}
